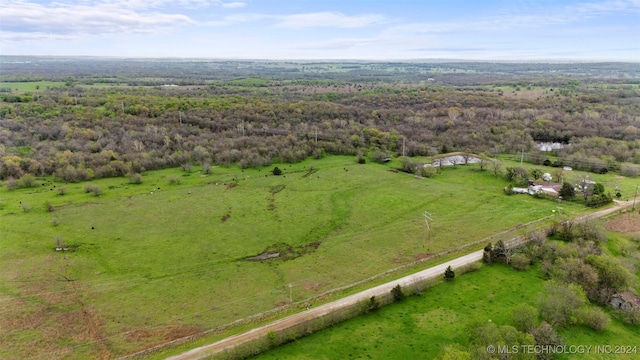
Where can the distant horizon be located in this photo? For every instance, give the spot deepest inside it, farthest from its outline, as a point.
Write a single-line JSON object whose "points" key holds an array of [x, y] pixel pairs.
{"points": [[417, 60], [371, 30]]}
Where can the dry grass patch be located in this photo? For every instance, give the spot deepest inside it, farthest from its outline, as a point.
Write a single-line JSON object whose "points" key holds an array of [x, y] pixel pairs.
{"points": [[627, 223]]}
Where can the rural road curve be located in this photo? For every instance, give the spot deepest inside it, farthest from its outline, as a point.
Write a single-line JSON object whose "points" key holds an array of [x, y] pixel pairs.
{"points": [[287, 322]]}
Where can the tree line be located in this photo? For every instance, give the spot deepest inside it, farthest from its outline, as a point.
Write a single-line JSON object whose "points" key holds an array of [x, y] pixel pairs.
{"points": [[77, 132]]}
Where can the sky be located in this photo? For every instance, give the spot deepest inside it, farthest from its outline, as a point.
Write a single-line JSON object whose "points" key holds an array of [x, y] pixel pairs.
{"points": [[493, 30]]}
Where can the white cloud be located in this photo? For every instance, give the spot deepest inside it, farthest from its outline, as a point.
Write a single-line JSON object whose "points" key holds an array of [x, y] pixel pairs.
{"points": [[24, 19], [233, 5], [328, 19]]}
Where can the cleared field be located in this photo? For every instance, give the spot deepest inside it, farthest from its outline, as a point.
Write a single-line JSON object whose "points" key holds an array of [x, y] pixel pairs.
{"points": [[152, 262], [31, 85]]}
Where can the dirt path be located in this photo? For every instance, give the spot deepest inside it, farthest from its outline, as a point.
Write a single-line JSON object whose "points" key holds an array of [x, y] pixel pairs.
{"points": [[290, 321]]}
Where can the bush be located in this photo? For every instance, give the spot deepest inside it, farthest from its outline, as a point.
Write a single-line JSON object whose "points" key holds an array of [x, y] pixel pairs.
{"points": [[508, 190], [567, 191], [379, 156], [599, 200], [135, 178], [595, 318], [449, 274], [560, 303], [471, 267], [174, 180], [520, 262], [629, 170], [27, 181], [49, 206], [62, 190], [206, 167], [427, 171], [25, 207], [524, 317], [397, 293], [373, 304], [632, 317], [93, 189], [276, 171], [11, 184], [545, 334]]}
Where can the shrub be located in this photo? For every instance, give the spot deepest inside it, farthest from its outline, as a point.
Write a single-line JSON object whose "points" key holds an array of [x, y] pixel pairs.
{"points": [[62, 190], [632, 317], [93, 189], [567, 191], [449, 274], [629, 170], [27, 181], [379, 156], [508, 190], [560, 304], [595, 318], [471, 267], [276, 171], [427, 171], [520, 262], [55, 221], [49, 206], [25, 207], [545, 334], [60, 243], [373, 305], [409, 165], [174, 180], [487, 254], [135, 178], [524, 317], [11, 184], [397, 293], [206, 167]]}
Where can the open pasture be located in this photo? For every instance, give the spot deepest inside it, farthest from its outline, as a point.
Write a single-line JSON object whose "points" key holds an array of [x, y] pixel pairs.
{"points": [[151, 262]]}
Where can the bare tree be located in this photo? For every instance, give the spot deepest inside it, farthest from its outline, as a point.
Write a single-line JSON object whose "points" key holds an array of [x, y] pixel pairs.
{"points": [[497, 167]]}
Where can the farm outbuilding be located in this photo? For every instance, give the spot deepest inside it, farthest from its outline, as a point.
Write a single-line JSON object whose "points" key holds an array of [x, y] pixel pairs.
{"points": [[625, 301]]}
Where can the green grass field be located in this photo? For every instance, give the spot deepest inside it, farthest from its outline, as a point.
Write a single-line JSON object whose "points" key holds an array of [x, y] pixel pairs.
{"points": [[422, 326], [154, 262], [31, 85]]}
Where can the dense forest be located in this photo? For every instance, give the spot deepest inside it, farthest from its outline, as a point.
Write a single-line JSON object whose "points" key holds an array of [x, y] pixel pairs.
{"points": [[92, 118]]}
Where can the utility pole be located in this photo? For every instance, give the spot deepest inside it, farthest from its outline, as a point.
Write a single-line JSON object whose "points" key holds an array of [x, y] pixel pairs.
{"points": [[634, 199], [290, 294], [403, 146], [427, 217]]}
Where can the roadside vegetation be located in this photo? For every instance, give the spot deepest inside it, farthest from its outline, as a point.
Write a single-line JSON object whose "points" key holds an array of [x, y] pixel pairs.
{"points": [[558, 296]]}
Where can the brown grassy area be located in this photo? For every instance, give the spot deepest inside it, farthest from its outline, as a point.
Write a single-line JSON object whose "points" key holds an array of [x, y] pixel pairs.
{"points": [[626, 224]]}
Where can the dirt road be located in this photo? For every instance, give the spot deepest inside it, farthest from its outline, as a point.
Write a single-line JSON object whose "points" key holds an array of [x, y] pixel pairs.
{"points": [[285, 323], [325, 309]]}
